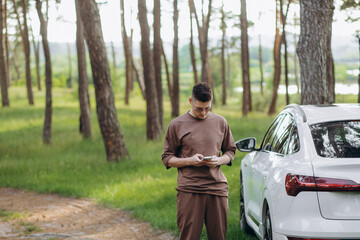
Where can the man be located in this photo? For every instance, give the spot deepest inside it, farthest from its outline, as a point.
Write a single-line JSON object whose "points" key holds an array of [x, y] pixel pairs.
{"points": [[202, 187]]}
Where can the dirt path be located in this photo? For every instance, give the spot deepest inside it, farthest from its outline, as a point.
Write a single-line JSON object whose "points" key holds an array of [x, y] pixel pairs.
{"points": [[29, 215]]}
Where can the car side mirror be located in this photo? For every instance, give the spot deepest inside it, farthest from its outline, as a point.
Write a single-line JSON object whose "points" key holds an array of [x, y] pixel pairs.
{"points": [[246, 144]]}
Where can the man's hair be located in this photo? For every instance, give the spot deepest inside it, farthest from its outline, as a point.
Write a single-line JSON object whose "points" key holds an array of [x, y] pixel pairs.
{"points": [[202, 92]]}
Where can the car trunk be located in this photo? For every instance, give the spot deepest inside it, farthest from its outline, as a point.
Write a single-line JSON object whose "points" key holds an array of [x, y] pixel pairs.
{"points": [[338, 185]]}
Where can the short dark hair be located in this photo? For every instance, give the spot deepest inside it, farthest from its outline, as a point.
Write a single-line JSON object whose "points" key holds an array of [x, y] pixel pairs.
{"points": [[202, 92]]}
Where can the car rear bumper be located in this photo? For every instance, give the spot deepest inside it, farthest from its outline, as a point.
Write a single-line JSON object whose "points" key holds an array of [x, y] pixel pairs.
{"points": [[303, 219]]}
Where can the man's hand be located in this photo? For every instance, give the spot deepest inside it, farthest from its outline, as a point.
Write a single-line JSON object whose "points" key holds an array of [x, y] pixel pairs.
{"points": [[197, 160], [213, 162]]}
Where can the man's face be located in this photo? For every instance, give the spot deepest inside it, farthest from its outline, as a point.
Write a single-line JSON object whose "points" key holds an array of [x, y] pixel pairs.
{"points": [[200, 109]]}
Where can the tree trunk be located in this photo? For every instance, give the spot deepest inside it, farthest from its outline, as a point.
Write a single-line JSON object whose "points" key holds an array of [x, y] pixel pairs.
{"points": [[277, 63], [203, 42], [283, 19], [314, 51], [295, 56], [192, 51], [3, 81], [48, 75], [113, 55], [176, 91], [14, 61], [261, 67], [140, 78], [36, 46], [246, 107], [26, 44], [128, 54], [358, 38], [6, 42], [85, 115], [105, 106], [330, 73], [286, 69], [168, 78], [157, 60], [70, 79], [223, 45], [229, 74], [152, 108]]}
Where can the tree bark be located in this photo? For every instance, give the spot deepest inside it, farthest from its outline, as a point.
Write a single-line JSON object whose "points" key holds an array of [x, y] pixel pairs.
{"points": [[358, 38], [6, 42], [157, 60], [140, 78], [277, 63], [36, 46], [70, 79], [192, 51], [105, 106], [3, 80], [296, 23], [128, 54], [261, 67], [168, 78], [85, 114], [286, 69], [14, 61], [113, 55], [26, 47], [176, 91], [48, 74], [203, 42], [284, 41], [223, 45], [26, 44], [229, 73], [152, 108], [246, 107], [314, 51]]}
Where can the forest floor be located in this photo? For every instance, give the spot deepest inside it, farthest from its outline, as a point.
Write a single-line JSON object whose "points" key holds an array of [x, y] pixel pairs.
{"points": [[30, 215]]}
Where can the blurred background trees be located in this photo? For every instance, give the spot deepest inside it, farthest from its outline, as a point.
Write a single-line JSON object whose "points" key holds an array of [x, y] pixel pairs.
{"points": [[243, 65]]}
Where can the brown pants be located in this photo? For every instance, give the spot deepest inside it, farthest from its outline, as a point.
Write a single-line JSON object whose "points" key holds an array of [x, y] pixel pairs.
{"points": [[193, 209]]}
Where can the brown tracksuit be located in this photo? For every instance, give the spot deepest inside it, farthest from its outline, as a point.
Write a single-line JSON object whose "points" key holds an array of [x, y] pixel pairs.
{"points": [[202, 191]]}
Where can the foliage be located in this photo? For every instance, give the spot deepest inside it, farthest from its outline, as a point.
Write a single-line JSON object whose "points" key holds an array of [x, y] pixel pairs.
{"points": [[341, 74], [352, 7]]}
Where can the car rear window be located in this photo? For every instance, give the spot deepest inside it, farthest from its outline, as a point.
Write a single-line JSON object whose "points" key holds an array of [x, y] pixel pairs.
{"points": [[337, 139]]}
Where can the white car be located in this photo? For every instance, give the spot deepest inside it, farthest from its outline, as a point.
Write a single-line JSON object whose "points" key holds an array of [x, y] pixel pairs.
{"points": [[303, 182]]}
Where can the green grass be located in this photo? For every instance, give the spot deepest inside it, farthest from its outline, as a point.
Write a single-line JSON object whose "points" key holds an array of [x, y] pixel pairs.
{"points": [[19, 220], [6, 216], [72, 166]]}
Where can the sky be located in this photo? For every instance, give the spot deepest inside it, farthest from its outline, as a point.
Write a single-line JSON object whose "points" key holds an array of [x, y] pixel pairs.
{"points": [[62, 22]]}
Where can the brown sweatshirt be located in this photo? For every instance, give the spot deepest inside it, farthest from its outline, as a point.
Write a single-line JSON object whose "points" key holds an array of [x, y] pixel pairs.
{"points": [[186, 136]]}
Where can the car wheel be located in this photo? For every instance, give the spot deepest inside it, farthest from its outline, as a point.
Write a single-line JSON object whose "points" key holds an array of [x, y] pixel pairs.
{"points": [[267, 226], [243, 223]]}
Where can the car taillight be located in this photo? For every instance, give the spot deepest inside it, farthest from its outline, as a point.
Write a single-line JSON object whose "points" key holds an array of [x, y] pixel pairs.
{"points": [[298, 183], [294, 238]]}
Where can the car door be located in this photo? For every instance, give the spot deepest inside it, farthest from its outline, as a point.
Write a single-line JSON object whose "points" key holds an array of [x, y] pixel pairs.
{"points": [[255, 187], [273, 147]]}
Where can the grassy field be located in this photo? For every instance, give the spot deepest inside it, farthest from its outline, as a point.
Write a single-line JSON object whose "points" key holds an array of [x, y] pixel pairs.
{"points": [[72, 166]]}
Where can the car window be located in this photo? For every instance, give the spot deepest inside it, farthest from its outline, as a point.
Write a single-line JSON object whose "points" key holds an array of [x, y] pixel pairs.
{"points": [[294, 143], [269, 136], [337, 139], [282, 134], [283, 140]]}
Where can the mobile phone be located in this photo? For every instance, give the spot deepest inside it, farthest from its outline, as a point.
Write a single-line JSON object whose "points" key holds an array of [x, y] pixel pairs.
{"points": [[207, 158]]}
